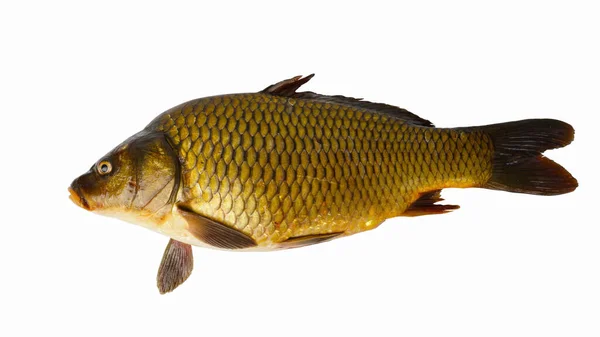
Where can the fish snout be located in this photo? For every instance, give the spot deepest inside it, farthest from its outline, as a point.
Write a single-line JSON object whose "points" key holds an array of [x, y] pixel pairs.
{"points": [[77, 197]]}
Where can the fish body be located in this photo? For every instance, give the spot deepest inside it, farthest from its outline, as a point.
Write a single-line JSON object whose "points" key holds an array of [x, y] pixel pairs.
{"points": [[282, 169], [276, 167]]}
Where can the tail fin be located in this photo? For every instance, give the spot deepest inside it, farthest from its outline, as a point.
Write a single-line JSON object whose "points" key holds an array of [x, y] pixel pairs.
{"points": [[518, 163]]}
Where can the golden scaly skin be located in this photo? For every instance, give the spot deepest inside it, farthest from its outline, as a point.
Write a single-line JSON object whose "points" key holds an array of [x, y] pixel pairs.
{"points": [[278, 167]]}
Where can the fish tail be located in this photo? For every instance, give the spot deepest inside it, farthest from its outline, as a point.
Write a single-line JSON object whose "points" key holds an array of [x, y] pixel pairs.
{"points": [[518, 164]]}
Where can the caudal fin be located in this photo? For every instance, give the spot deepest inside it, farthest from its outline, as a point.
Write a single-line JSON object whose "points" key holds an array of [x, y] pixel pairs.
{"points": [[518, 163]]}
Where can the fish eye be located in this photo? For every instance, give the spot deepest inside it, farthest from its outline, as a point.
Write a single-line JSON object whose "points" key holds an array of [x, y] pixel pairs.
{"points": [[104, 167]]}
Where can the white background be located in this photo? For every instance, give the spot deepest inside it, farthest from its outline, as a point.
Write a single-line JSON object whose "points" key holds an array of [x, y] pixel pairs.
{"points": [[76, 79]]}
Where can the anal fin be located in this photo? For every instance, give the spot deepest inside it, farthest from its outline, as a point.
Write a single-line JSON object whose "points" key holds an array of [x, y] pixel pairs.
{"points": [[176, 266], [306, 240], [426, 205]]}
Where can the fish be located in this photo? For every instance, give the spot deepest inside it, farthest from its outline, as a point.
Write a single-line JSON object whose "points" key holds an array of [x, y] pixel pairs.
{"points": [[282, 168]]}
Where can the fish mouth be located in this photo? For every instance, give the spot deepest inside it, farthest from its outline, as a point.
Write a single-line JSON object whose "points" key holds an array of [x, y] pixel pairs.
{"points": [[77, 198]]}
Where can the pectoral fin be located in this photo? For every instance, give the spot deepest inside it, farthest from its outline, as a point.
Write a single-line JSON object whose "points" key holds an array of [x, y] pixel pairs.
{"points": [[176, 266], [214, 233]]}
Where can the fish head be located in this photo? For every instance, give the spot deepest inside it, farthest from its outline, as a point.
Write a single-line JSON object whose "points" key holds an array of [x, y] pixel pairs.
{"points": [[139, 178]]}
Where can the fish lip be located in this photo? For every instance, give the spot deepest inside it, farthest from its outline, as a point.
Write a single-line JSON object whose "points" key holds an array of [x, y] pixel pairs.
{"points": [[77, 198]]}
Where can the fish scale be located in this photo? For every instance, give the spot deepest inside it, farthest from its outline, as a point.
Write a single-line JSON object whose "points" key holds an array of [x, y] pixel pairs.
{"points": [[277, 167]]}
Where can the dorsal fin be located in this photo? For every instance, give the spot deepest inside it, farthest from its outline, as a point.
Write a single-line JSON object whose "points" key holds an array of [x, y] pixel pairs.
{"points": [[287, 88], [425, 205]]}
